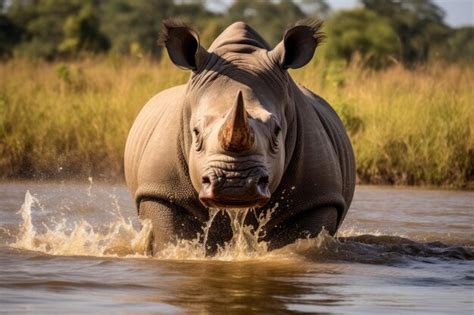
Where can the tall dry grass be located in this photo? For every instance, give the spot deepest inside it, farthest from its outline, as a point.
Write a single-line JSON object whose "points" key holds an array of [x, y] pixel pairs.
{"points": [[407, 126], [62, 120]]}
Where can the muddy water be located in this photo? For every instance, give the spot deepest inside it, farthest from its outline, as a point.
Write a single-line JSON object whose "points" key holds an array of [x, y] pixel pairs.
{"points": [[78, 248]]}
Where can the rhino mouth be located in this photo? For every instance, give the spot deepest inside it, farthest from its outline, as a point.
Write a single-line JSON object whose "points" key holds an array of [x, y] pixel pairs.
{"points": [[235, 189], [216, 203]]}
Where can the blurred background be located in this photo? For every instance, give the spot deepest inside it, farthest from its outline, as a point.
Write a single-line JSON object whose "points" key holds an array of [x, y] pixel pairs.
{"points": [[381, 31], [74, 74]]}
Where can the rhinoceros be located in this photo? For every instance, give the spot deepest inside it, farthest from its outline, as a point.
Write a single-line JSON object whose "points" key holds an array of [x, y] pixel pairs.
{"points": [[239, 134]]}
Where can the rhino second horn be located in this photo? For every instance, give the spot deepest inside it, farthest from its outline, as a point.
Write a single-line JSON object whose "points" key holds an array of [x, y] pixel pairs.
{"points": [[236, 135]]}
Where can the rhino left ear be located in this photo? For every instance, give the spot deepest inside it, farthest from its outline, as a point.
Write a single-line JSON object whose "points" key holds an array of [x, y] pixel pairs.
{"points": [[182, 43], [298, 44]]}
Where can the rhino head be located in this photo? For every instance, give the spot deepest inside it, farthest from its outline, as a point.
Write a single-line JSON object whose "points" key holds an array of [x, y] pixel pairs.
{"points": [[240, 106]]}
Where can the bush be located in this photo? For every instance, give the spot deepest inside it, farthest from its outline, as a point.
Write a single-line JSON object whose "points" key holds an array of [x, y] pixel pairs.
{"points": [[362, 32]]}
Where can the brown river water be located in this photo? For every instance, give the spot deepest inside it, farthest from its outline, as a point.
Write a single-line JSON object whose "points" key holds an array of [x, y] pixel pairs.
{"points": [[78, 248]]}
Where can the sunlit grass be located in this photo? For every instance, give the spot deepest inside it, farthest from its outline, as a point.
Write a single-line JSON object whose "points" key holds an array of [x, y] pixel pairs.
{"points": [[406, 126], [62, 120], [72, 119]]}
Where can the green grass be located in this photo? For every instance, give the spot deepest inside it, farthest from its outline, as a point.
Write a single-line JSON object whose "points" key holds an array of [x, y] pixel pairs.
{"points": [[71, 120]]}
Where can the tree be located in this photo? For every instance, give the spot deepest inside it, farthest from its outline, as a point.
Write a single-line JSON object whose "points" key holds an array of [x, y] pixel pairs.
{"points": [[457, 47], [137, 23], [52, 27], [269, 18], [364, 32], [129, 23], [10, 33], [418, 24], [81, 33]]}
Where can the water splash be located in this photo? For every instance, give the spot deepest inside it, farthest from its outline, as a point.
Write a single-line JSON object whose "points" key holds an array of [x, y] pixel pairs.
{"points": [[27, 230], [245, 244], [212, 214], [89, 188], [246, 241], [123, 238], [119, 238]]}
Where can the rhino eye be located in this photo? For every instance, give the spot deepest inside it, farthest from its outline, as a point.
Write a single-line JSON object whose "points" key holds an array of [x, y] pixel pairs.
{"points": [[198, 139], [277, 131], [274, 139]]}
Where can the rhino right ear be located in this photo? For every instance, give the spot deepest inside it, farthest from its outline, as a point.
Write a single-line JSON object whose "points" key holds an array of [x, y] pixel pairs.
{"points": [[182, 43], [298, 44]]}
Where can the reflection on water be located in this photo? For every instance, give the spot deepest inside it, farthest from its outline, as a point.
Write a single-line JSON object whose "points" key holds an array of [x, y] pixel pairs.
{"points": [[399, 250], [248, 286]]}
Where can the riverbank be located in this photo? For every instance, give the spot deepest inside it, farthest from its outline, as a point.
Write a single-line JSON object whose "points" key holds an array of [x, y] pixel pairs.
{"points": [[63, 120]]}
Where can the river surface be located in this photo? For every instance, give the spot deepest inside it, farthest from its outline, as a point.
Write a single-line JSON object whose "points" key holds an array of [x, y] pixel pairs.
{"points": [[78, 248]]}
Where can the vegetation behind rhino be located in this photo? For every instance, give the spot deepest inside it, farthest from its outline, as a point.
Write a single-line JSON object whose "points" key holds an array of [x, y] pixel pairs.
{"points": [[240, 134]]}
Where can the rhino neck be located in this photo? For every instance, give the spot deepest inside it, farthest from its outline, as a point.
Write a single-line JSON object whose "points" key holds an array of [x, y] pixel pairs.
{"points": [[292, 121], [185, 137]]}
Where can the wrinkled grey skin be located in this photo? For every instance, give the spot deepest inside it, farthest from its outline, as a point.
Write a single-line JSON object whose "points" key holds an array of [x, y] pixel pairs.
{"points": [[300, 143]]}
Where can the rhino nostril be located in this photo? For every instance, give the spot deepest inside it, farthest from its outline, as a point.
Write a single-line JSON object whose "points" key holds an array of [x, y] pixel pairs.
{"points": [[263, 180], [206, 180]]}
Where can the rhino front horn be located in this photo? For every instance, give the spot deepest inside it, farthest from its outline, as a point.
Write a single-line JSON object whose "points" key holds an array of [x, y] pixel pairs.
{"points": [[236, 135]]}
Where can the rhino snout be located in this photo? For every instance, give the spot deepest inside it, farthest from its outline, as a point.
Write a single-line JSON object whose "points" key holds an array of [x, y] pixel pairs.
{"points": [[235, 189]]}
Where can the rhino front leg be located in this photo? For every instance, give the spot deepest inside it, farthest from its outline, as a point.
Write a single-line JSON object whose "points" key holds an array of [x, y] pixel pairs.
{"points": [[169, 224], [308, 223]]}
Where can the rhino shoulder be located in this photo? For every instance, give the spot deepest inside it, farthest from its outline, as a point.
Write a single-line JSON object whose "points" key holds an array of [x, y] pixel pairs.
{"points": [[154, 130]]}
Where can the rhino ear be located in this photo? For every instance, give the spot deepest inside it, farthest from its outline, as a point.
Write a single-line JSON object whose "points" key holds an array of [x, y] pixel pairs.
{"points": [[182, 43], [298, 44]]}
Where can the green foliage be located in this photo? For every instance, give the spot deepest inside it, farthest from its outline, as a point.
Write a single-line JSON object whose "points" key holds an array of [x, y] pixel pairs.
{"points": [[55, 27], [135, 25], [418, 24], [269, 18], [43, 24], [81, 33], [74, 28], [10, 35], [458, 47], [363, 32]]}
